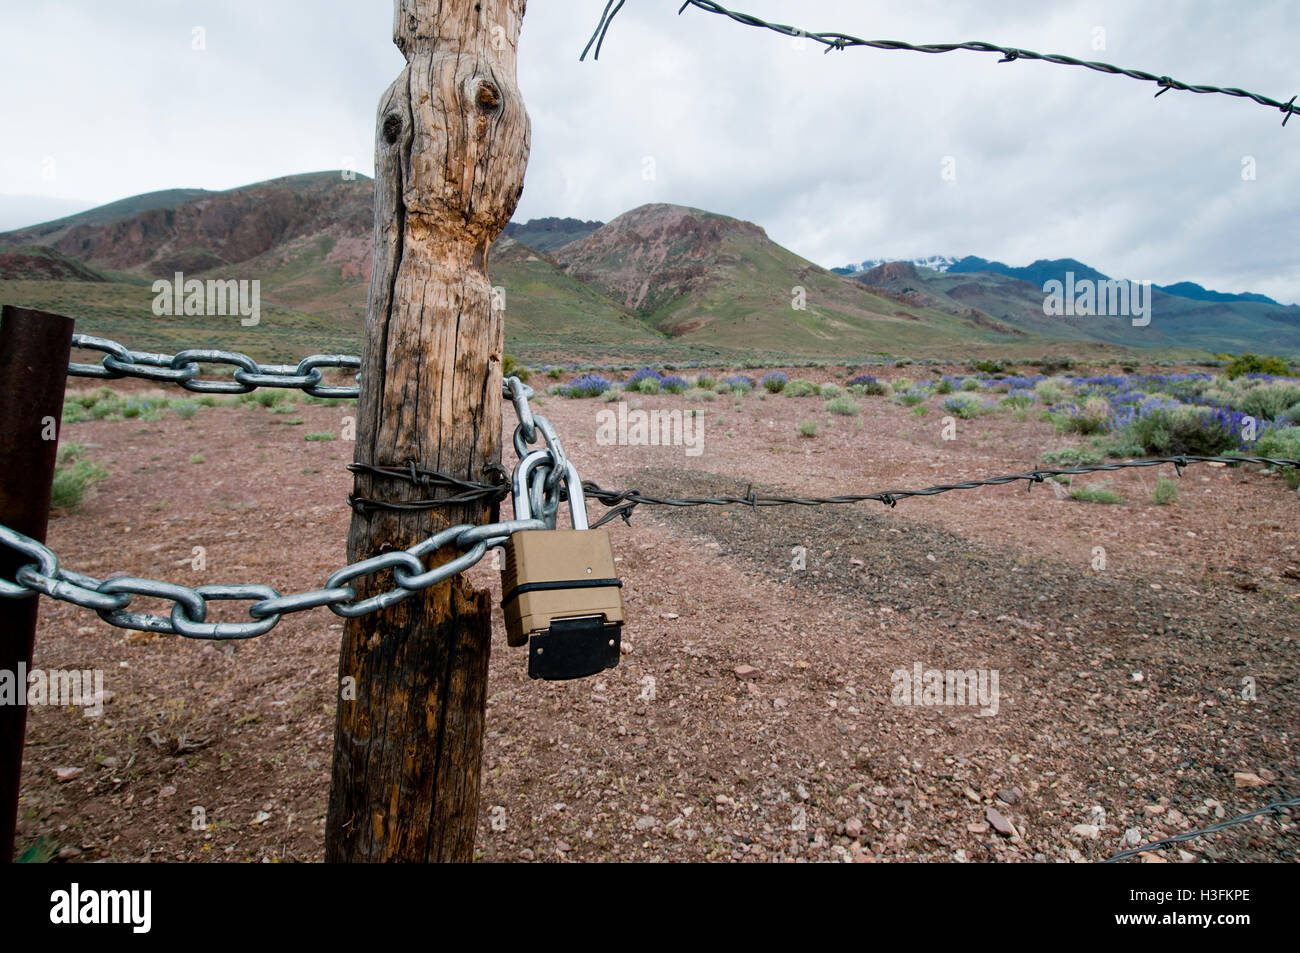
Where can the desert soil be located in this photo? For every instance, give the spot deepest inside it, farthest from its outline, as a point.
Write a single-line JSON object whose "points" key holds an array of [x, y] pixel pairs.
{"points": [[751, 717]]}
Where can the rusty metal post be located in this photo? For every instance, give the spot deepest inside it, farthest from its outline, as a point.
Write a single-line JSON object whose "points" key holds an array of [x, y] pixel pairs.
{"points": [[34, 351]]}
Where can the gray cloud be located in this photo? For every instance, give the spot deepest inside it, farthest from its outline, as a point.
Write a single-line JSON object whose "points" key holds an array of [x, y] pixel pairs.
{"points": [[838, 156]]}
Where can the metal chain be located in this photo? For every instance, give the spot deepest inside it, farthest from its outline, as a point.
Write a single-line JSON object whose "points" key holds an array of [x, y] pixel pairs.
{"points": [[111, 597], [182, 368], [188, 616], [841, 41]]}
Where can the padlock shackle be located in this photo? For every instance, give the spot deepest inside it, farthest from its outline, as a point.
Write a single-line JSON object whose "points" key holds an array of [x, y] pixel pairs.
{"points": [[571, 480]]}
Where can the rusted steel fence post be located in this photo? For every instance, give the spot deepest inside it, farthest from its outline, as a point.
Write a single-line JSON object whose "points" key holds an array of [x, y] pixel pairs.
{"points": [[34, 351]]}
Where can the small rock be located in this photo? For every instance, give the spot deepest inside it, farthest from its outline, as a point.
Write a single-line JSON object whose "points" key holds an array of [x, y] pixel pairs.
{"points": [[167, 790], [977, 828], [261, 817], [853, 827], [999, 823], [745, 671], [669, 615], [1008, 795], [1086, 831], [1246, 779], [67, 853], [1132, 837], [971, 795], [645, 823], [68, 774], [564, 846]]}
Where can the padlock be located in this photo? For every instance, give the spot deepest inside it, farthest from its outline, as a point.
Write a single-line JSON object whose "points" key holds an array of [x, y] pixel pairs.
{"points": [[560, 592]]}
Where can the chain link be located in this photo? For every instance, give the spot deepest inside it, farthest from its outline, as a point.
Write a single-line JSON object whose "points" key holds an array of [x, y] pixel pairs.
{"points": [[183, 368], [188, 616]]}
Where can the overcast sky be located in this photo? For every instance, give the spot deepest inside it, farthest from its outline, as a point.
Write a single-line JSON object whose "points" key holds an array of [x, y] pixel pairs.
{"points": [[839, 156]]}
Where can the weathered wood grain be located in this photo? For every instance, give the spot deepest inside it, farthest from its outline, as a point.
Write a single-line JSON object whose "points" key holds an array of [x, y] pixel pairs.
{"points": [[451, 148]]}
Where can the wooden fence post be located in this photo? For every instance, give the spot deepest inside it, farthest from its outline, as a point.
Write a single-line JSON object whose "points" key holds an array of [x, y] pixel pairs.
{"points": [[34, 351], [451, 148]]}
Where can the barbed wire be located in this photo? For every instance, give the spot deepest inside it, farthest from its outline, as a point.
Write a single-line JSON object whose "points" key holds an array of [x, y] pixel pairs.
{"points": [[1275, 808], [622, 502], [842, 41]]}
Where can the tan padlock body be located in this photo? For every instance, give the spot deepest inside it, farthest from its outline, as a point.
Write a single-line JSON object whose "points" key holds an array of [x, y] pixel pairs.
{"points": [[573, 572]]}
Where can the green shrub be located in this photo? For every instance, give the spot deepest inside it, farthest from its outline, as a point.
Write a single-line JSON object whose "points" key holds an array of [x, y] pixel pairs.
{"points": [[1269, 400], [800, 388], [1092, 417], [965, 405], [900, 385], [648, 385], [1095, 494], [1073, 457], [1052, 390], [944, 386], [71, 483], [808, 429], [844, 406], [555, 373], [1182, 429], [910, 398], [829, 390], [511, 368], [1165, 492], [269, 397], [319, 437], [1282, 443], [969, 384], [990, 367], [1252, 364], [706, 382]]}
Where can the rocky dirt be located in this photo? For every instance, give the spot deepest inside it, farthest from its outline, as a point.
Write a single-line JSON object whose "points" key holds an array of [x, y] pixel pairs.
{"points": [[752, 717]]}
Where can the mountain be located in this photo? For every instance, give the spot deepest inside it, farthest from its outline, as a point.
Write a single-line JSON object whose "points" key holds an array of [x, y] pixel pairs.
{"points": [[660, 282], [1189, 289], [1044, 270], [1175, 321], [36, 263], [933, 262], [548, 234], [307, 239], [718, 282]]}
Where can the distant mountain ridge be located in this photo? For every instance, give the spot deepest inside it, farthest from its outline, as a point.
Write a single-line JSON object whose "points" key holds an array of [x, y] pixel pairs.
{"points": [[1043, 270], [933, 262], [660, 281], [548, 234]]}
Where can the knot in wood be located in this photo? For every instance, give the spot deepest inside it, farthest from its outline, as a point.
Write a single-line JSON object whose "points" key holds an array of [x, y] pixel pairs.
{"points": [[488, 96]]}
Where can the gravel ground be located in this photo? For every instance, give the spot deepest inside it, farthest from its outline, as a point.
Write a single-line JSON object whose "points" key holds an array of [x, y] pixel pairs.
{"points": [[753, 716]]}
